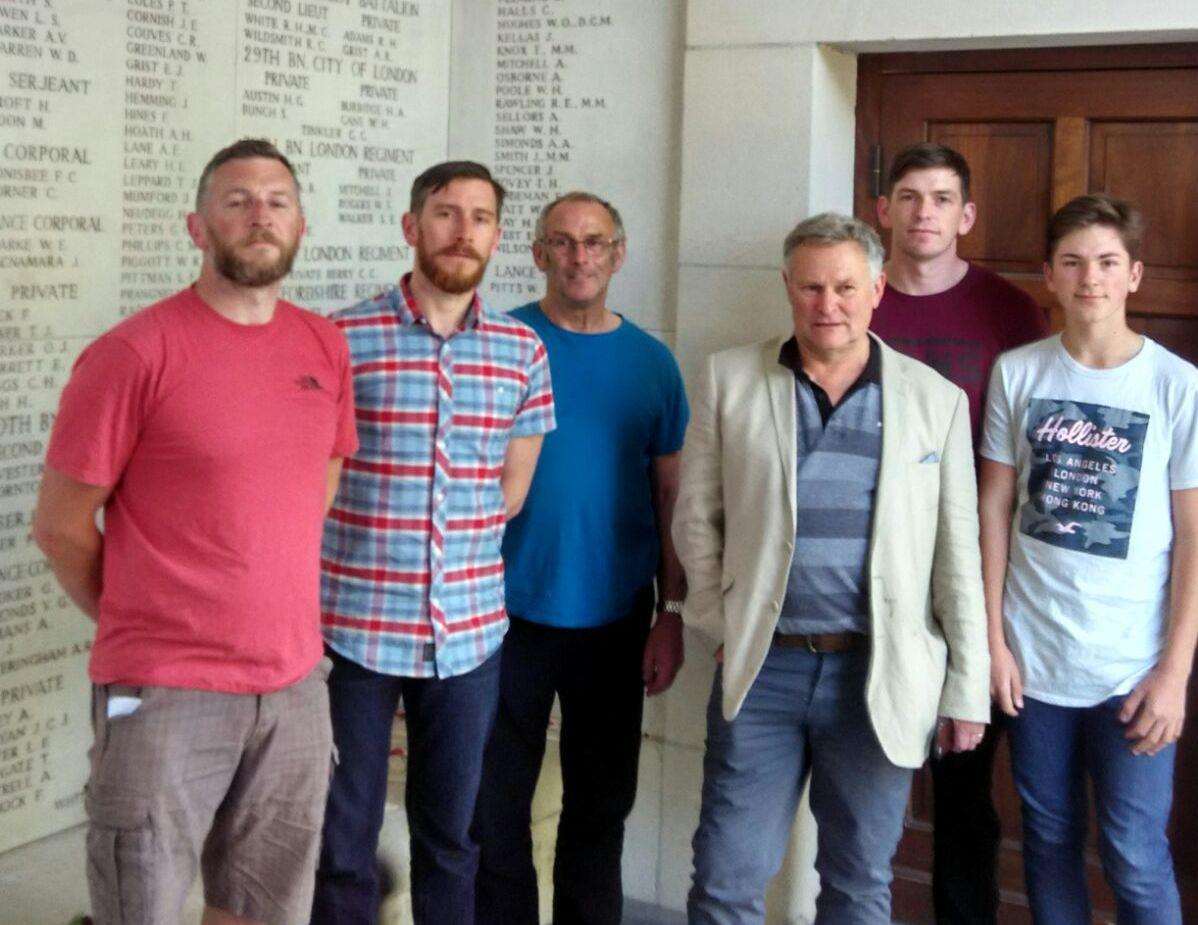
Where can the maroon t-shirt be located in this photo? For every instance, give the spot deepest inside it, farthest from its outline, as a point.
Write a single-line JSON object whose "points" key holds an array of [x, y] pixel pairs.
{"points": [[960, 332]]}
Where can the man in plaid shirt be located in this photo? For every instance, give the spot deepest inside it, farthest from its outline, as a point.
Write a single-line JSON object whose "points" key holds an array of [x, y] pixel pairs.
{"points": [[452, 403]]}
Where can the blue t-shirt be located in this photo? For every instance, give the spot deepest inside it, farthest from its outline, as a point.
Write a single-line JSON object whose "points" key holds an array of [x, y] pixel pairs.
{"points": [[586, 540]]}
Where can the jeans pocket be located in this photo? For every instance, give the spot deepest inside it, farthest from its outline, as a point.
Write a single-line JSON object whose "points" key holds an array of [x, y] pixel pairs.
{"points": [[120, 855]]}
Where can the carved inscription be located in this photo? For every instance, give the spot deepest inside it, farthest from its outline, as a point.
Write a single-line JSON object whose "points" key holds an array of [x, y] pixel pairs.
{"points": [[108, 111], [343, 87], [47, 223], [583, 95]]}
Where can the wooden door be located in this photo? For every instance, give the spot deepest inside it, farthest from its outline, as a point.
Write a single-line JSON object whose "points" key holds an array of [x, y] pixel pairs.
{"points": [[1039, 127]]}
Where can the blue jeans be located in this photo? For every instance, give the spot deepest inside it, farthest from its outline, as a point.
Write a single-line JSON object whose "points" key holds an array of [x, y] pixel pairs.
{"points": [[805, 714], [448, 720], [1053, 749]]}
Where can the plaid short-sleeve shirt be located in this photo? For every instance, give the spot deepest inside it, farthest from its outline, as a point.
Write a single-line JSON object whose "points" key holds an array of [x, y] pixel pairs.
{"points": [[411, 574]]}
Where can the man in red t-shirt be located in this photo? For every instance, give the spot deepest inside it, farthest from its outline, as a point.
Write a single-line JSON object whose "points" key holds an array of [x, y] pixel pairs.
{"points": [[957, 317], [210, 429]]}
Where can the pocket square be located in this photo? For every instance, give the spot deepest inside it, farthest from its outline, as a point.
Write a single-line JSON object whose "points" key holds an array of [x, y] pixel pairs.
{"points": [[932, 457]]}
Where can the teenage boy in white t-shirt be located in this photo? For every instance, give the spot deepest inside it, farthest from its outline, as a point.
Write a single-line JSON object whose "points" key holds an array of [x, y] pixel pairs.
{"points": [[1089, 527]]}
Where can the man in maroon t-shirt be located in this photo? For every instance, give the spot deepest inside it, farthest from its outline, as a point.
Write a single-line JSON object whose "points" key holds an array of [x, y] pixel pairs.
{"points": [[956, 317]]}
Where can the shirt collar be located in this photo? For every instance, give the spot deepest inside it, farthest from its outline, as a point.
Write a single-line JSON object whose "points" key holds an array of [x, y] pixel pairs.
{"points": [[788, 356], [410, 312]]}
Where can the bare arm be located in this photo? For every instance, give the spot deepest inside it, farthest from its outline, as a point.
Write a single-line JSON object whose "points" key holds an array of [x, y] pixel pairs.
{"points": [[663, 649], [671, 581], [64, 528], [519, 463], [996, 501], [1156, 709], [334, 478]]}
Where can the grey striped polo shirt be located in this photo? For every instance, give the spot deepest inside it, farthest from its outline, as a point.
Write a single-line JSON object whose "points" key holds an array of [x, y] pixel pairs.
{"points": [[836, 473]]}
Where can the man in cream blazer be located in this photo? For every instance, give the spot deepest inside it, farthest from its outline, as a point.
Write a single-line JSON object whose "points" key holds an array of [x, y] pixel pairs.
{"points": [[827, 522]]}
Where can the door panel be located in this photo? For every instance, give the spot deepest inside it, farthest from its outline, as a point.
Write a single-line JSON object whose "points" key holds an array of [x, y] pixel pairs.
{"points": [[1153, 162], [1039, 127], [1013, 167]]}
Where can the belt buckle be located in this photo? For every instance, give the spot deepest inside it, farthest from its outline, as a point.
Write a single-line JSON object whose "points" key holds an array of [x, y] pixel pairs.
{"points": [[811, 645]]}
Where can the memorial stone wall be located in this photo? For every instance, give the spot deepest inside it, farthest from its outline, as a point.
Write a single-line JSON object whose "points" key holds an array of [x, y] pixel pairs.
{"points": [[577, 94], [110, 108], [108, 111]]}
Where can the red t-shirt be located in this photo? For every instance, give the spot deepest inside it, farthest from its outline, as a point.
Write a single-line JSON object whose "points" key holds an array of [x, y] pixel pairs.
{"points": [[217, 438], [960, 332]]}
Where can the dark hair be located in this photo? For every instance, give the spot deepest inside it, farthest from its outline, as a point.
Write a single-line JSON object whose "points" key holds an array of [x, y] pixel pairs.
{"points": [[1097, 209], [439, 176], [925, 155], [245, 148]]}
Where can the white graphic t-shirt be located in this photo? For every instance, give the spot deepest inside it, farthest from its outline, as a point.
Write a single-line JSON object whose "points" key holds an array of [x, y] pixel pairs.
{"points": [[1097, 452]]}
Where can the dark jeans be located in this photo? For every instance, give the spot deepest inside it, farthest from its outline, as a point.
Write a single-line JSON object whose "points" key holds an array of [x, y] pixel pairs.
{"points": [[448, 721], [1053, 750], [966, 833], [596, 673]]}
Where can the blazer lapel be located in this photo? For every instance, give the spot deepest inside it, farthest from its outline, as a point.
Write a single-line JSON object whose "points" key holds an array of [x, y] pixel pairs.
{"points": [[781, 384], [895, 399], [894, 412]]}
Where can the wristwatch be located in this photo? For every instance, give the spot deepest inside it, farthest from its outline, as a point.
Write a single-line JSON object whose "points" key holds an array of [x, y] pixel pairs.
{"points": [[674, 607]]}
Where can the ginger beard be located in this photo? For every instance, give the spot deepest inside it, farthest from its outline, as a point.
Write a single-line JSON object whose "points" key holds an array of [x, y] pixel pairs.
{"points": [[446, 278], [253, 271]]}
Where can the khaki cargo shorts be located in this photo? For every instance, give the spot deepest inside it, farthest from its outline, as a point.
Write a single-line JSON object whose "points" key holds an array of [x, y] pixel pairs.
{"points": [[233, 784]]}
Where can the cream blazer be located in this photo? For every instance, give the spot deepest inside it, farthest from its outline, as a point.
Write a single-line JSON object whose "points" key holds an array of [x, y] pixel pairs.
{"points": [[734, 528]]}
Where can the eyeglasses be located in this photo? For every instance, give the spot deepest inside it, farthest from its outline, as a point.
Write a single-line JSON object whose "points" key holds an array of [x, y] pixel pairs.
{"points": [[562, 244]]}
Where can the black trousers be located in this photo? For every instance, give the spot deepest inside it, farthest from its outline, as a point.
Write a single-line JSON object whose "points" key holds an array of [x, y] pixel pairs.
{"points": [[596, 674], [966, 833]]}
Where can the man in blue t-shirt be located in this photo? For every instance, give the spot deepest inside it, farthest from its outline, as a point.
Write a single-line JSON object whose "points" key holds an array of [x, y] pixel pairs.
{"points": [[581, 560]]}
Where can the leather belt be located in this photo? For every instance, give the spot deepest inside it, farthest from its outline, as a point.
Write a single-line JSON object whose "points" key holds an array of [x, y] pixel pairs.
{"points": [[822, 643]]}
